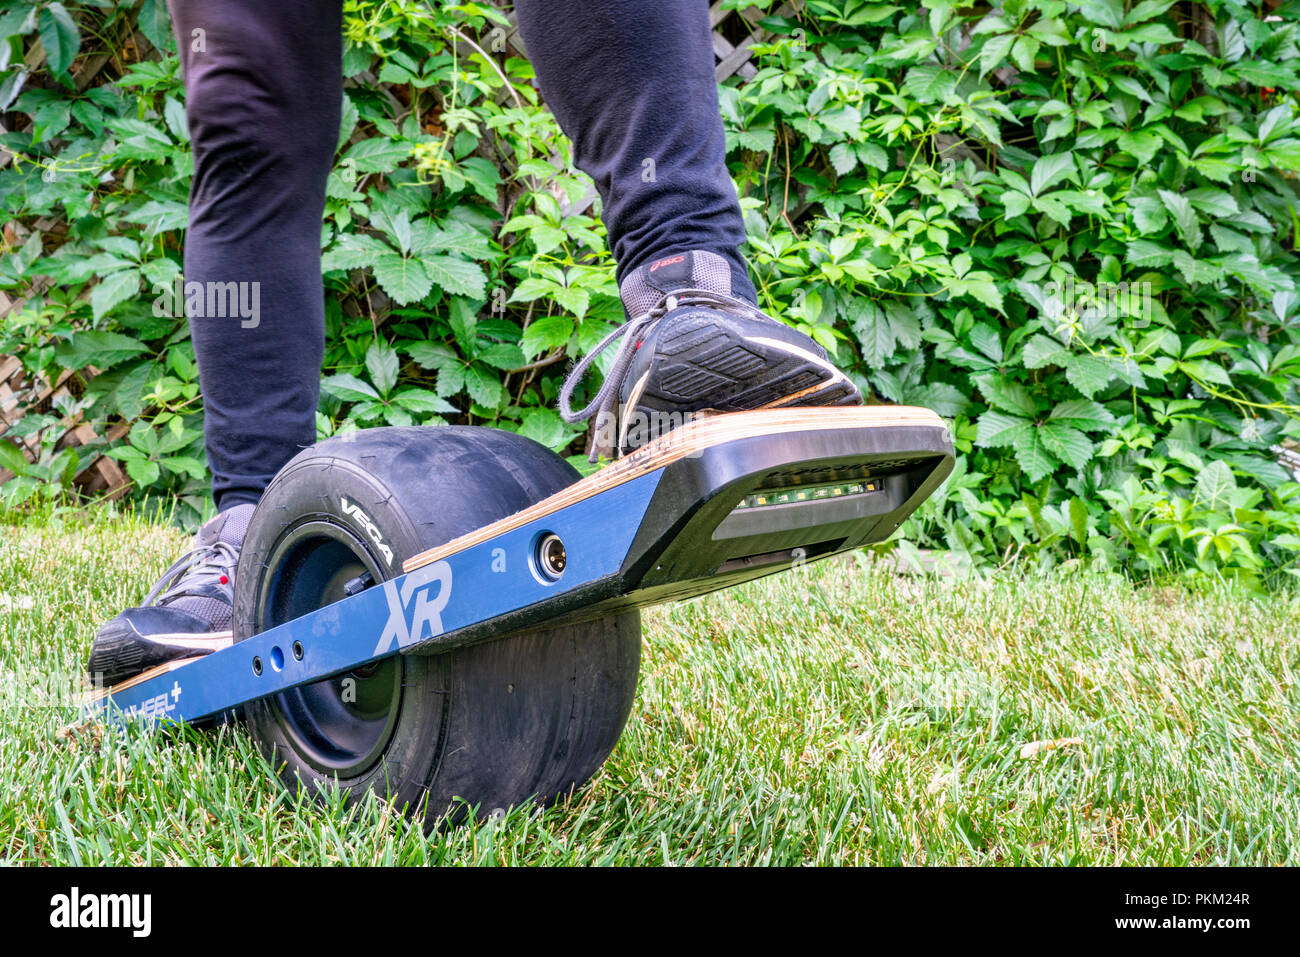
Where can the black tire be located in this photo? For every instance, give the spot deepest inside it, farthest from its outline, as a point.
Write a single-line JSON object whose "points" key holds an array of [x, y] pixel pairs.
{"points": [[488, 726]]}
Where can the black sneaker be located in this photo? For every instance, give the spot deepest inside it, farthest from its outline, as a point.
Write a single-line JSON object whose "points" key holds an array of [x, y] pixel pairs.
{"points": [[187, 614], [691, 347]]}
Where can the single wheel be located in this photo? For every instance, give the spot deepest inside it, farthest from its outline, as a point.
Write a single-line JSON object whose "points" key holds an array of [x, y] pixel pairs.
{"points": [[533, 715]]}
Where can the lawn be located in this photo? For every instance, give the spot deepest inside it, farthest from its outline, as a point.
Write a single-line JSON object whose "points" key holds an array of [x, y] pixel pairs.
{"points": [[840, 714]]}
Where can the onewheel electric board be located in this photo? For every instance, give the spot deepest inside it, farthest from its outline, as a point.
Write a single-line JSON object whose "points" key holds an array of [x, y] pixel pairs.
{"points": [[448, 614]]}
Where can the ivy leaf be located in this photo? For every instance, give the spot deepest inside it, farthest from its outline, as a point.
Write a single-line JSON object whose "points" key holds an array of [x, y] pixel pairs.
{"points": [[1032, 454], [423, 402], [348, 387], [534, 287], [1266, 74], [1215, 485], [160, 216], [904, 323], [1204, 370], [874, 156], [1227, 240], [156, 25], [354, 251], [1051, 169], [1180, 207], [1043, 350], [1007, 395], [1284, 153], [404, 279], [1014, 203], [1079, 519], [996, 429], [846, 120], [1144, 252], [1141, 145], [929, 83], [50, 120], [547, 428], [451, 237], [432, 355], [1146, 10], [1284, 303], [141, 470], [994, 51], [1066, 443], [456, 277], [1106, 13], [398, 228], [1148, 214], [186, 465], [873, 331], [546, 334], [985, 338], [379, 154], [113, 289], [979, 286], [1024, 52], [121, 391], [1088, 374], [482, 175], [1216, 202], [1053, 207], [382, 364], [843, 158], [97, 348], [59, 36], [1082, 414], [573, 299], [941, 397], [484, 387], [757, 139], [502, 355], [1196, 270], [11, 85]]}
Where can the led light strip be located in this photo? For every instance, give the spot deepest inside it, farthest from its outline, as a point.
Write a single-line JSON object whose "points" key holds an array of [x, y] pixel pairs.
{"points": [[808, 493]]}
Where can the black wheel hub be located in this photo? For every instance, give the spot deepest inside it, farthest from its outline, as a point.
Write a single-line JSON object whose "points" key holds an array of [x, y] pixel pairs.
{"points": [[341, 724]]}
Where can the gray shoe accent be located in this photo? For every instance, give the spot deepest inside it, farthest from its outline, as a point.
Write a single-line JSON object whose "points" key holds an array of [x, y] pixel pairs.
{"points": [[643, 289], [193, 583]]}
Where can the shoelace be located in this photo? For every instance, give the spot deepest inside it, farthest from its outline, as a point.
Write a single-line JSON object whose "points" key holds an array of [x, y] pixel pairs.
{"points": [[602, 405], [196, 573]]}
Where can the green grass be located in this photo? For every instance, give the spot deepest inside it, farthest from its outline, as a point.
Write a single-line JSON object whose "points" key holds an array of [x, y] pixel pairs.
{"points": [[839, 714]]}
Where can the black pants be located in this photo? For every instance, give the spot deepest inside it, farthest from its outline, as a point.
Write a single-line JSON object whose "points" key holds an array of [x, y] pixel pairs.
{"points": [[628, 80]]}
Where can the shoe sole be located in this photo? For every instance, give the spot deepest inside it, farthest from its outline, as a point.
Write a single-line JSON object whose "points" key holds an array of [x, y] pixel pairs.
{"points": [[707, 365], [120, 652]]}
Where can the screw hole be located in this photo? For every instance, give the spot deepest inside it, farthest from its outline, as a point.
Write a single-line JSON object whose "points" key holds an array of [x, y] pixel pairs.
{"points": [[297, 650], [257, 666]]}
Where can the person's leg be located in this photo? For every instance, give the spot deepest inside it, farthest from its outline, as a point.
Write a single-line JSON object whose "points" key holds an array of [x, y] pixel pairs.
{"points": [[632, 85], [263, 84], [264, 90]]}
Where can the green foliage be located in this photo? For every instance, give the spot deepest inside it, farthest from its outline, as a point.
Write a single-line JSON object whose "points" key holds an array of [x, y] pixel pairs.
{"points": [[1069, 228], [47, 481]]}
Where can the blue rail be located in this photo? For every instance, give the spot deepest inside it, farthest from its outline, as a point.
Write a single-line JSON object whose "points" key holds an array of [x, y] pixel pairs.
{"points": [[425, 607]]}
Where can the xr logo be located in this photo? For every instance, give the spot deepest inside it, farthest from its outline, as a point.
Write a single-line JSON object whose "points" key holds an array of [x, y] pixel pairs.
{"points": [[415, 611]]}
